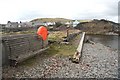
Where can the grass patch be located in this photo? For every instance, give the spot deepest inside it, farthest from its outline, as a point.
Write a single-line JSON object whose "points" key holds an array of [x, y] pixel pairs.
{"points": [[64, 49], [61, 49], [58, 35], [55, 49], [28, 62]]}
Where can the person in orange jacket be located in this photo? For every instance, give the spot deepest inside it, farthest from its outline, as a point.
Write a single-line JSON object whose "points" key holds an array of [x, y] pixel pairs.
{"points": [[42, 32]]}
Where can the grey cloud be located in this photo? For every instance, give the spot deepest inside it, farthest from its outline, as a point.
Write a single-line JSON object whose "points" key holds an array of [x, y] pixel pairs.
{"points": [[111, 12], [119, 12]]}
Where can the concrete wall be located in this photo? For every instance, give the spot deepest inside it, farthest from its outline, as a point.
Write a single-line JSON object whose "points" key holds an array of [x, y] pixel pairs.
{"points": [[20, 47]]}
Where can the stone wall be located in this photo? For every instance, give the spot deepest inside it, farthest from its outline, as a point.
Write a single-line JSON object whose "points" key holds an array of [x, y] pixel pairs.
{"points": [[7, 29], [20, 47], [71, 36]]}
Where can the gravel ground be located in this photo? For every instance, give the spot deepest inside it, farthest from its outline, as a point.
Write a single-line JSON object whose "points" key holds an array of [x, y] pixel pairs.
{"points": [[98, 61]]}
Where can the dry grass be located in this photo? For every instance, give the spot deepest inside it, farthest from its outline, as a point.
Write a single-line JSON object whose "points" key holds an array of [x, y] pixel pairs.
{"points": [[63, 49], [58, 35]]}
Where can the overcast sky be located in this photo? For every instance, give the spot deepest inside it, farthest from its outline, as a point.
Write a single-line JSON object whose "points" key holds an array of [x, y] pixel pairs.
{"points": [[26, 10]]}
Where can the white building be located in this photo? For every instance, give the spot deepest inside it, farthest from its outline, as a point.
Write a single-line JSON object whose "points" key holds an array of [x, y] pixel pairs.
{"points": [[49, 23], [75, 23]]}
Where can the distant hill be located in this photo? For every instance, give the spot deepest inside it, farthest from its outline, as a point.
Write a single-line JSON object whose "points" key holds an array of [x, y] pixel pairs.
{"points": [[86, 20], [57, 20], [98, 26], [51, 20]]}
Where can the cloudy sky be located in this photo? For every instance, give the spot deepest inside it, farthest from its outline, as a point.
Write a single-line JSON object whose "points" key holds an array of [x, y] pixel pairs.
{"points": [[26, 10]]}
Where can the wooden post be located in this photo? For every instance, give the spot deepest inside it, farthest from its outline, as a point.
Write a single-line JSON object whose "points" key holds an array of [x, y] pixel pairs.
{"points": [[77, 54], [67, 31]]}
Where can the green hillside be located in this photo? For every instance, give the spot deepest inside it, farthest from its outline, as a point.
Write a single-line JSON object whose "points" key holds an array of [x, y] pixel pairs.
{"points": [[57, 20], [98, 26], [51, 20]]}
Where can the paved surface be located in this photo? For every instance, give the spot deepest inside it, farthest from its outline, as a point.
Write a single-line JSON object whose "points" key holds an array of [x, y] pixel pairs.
{"points": [[98, 61]]}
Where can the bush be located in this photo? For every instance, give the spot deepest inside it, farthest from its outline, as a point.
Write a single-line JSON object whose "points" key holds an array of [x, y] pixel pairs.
{"points": [[58, 24]]}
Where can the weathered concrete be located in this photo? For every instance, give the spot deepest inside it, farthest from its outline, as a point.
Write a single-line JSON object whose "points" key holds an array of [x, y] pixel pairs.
{"points": [[80, 46], [78, 53], [20, 47]]}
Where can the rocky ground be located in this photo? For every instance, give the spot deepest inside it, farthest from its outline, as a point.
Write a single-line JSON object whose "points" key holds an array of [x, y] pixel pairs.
{"points": [[98, 61]]}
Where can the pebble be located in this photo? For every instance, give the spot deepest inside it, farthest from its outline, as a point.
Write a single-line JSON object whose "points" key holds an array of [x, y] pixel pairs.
{"points": [[97, 61]]}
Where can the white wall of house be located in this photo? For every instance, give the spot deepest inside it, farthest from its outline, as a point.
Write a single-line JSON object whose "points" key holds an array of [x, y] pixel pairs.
{"points": [[75, 23], [50, 23]]}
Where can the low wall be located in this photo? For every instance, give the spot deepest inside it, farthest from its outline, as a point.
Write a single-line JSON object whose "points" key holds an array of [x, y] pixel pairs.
{"points": [[20, 47], [71, 36], [18, 29]]}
